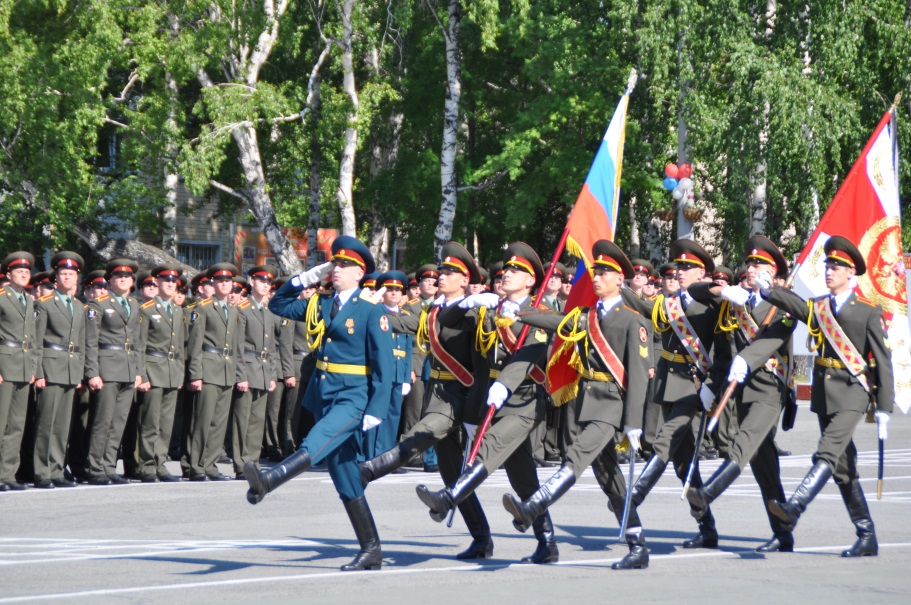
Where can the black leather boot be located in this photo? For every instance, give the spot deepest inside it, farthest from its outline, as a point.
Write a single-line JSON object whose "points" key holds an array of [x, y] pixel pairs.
{"points": [[481, 546], [788, 512], [780, 542], [546, 552], [441, 502], [647, 480], [263, 482], [866, 545], [525, 513], [370, 556], [707, 536], [387, 462], [701, 497], [637, 558]]}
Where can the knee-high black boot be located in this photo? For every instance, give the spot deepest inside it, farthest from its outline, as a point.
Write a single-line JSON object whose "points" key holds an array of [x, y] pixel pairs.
{"points": [[442, 501], [526, 513], [707, 536], [387, 462], [263, 482], [481, 546], [701, 497], [546, 551], [637, 558], [647, 480], [788, 512], [866, 545], [370, 556]]}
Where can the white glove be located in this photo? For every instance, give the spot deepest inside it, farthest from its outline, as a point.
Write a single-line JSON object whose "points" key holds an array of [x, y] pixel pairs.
{"points": [[485, 299], [735, 295], [707, 397], [764, 282], [509, 309], [406, 388], [497, 395], [370, 422], [470, 430], [440, 300], [739, 370], [315, 276], [882, 423], [378, 295], [633, 436]]}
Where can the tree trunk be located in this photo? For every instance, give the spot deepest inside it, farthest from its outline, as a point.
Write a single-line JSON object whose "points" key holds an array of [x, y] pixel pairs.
{"points": [[759, 201], [346, 167], [634, 243], [169, 216], [449, 151]]}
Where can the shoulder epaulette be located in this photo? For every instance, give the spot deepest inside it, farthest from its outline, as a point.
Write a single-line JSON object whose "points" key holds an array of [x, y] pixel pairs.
{"points": [[326, 294], [413, 301], [866, 301], [191, 305], [367, 297], [207, 301], [103, 298], [244, 304], [629, 308], [46, 297], [147, 304], [3, 291]]}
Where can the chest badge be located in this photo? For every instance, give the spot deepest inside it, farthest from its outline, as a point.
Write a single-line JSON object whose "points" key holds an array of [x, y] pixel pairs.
{"points": [[349, 323]]}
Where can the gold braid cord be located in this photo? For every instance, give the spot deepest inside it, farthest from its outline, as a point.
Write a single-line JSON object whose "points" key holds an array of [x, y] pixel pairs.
{"points": [[726, 320], [422, 336], [659, 316], [484, 341], [815, 338], [316, 327], [570, 339]]}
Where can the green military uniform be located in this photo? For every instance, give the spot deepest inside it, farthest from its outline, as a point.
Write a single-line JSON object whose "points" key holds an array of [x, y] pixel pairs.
{"points": [[299, 362], [839, 396], [163, 335], [214, 351], [112, 353], [18, 364], [259, 368], [60, 330], [277, 423], [413, 405]]}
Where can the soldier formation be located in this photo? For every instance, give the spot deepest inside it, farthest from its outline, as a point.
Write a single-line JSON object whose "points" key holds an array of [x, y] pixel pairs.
{"points": [[368, 373]]}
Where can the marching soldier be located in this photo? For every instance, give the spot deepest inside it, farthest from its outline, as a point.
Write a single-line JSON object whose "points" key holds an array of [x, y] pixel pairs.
{"points": [[517, 394], [653, 419], [113, 368], [448, 391], [256, 372], [163, 333], [213, 349], [60, 330], [18, 362], [611, 395], [349, 392], [687, 327], [849, 331], [759, 403]]}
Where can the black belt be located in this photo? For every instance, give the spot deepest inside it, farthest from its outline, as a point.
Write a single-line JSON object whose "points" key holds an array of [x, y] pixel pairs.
{"points": [[70, 348], [170, 355], [110, 346], [263, 355], [224, 352], [304, 352], [25, 345]]}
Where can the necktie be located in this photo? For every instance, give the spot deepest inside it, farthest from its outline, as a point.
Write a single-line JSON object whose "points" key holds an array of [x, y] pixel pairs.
{"points": [[224, 307], [126, 306], [600, 310], [22, 300], [69, 304], [335, 308], [833, 305], [167, 306]]}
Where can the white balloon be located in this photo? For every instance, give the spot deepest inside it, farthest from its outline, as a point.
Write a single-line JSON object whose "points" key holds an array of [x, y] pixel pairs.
{"points": [[686, 183], [677, 193]]}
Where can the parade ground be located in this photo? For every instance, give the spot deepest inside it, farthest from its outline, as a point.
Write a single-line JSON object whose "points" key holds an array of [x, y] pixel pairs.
{"points": [[203, 543]]}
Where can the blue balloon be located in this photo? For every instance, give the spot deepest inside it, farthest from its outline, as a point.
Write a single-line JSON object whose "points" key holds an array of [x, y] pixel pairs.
{"points": [[670, 183]]}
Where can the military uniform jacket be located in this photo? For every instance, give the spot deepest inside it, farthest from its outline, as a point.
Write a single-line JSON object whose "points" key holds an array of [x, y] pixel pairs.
{"points": [[526, 397], [358, 336], [107, 324], [418, 357], [256, 329], [164, 338], [54, 325], [18, 363], [402, 346], [673, 380], [836, 389], [626, 331], [297, 358], [214, 346]]}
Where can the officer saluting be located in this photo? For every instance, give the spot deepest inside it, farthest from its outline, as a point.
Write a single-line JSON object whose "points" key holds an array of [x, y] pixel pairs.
{"points": [[848, 330], [60, 330], [348, 393], [113, 367], [17, 361]]}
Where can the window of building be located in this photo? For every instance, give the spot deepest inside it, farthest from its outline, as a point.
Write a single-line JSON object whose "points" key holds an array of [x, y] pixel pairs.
{"points": [[199, 255]]}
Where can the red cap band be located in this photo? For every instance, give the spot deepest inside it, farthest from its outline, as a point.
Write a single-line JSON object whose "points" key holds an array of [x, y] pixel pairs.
{"points": [[346, 254], [454, 263]]}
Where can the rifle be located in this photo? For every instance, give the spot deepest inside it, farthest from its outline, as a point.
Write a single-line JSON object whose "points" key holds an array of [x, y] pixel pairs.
{"points": [[491, 410], [694, 463]]}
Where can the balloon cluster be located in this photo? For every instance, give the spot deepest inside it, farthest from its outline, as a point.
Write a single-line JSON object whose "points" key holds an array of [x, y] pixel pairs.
{"points": [[678, 180]]}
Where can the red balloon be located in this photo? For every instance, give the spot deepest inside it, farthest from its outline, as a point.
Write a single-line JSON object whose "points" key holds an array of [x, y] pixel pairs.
{"points": [[671, 171], [685, 171]]}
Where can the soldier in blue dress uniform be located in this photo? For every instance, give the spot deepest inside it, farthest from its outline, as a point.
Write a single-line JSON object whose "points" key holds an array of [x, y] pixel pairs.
{"points": [[349, 391]]}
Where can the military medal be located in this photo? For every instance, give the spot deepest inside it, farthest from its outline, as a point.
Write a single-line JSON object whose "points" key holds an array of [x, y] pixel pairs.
{"points": [[349, 323]]}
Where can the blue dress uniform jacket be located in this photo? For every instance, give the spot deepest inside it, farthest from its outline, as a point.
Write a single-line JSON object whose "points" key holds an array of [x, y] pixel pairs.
{"points": [[358, 336]]}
